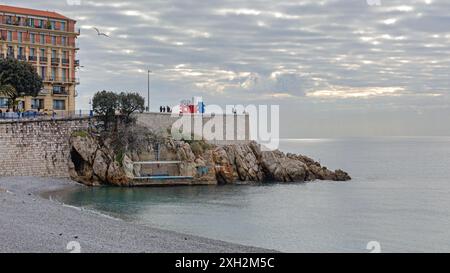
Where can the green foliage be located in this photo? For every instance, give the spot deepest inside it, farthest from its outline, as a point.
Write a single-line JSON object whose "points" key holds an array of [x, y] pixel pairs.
{"points": [[129, 103], [197, 148], [119, 157], [8, 91], [18, 78], [105, 105], [80, 134]]}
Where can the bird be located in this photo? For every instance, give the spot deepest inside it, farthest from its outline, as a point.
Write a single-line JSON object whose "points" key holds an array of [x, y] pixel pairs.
{"points": [[101, 33]]}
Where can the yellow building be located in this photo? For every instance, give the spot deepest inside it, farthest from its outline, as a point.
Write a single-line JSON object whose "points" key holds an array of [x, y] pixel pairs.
{"points": [[48, 41]]}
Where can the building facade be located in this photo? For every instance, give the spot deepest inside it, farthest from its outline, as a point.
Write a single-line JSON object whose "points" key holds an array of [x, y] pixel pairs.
{"points": [[47, 40]]}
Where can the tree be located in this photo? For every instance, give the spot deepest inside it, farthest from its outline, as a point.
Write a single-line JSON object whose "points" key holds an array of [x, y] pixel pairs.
{"points": [[18, 79], [105, 105], [130, 103], [9, 92]]}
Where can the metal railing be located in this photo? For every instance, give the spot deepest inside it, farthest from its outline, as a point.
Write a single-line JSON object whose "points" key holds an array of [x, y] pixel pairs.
{"points": [[25, 23], [33, 115], [56, 60]]}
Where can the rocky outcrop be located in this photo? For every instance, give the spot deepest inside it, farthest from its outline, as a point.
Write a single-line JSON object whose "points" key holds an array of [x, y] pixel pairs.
{"points": [[95, 163]]}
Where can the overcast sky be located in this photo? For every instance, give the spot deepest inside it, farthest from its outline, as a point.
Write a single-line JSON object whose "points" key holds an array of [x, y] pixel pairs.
{"points": [[335, 67]]}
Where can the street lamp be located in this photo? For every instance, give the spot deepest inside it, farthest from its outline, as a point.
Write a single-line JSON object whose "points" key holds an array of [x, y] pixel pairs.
{"points": [[148, 91]]}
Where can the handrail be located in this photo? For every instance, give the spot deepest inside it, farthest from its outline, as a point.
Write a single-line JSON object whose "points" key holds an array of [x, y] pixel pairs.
{"points": [[156, 162]]}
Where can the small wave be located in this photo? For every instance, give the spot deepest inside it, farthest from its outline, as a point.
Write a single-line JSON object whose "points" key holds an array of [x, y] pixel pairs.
{"points": [[84, 209]]}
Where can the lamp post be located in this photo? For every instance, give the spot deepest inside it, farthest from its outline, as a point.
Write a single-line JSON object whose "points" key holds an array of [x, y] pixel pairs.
{"points": [[148, 91]]}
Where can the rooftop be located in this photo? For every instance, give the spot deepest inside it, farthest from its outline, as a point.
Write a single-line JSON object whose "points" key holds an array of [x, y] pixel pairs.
{"points": [[34, 12]]}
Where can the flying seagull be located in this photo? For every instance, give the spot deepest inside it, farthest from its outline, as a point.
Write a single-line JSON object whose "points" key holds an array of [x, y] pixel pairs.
{"points": [[100, 33]]}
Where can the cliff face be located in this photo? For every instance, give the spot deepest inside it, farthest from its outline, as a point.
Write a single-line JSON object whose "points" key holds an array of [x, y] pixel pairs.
{"points": [[94, 162]]}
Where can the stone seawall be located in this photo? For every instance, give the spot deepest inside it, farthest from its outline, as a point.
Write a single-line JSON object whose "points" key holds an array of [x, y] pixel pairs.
{"points": [[37, 148], [231, 129]]}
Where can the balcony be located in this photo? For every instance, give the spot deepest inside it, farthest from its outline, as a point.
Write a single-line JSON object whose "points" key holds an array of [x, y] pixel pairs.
{"points": [[77, 62], [43, 59], [56, 61], [44, 25], [32, 58], [53, 80], [65, 61], [61, 91], [21, 57]]}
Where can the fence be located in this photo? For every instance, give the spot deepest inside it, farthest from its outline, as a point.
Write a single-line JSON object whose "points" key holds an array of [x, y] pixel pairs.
{"points": [[34, 115]]}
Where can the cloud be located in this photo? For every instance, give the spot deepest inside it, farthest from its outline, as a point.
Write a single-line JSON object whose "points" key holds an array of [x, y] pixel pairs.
{"points": [[395, 54]]}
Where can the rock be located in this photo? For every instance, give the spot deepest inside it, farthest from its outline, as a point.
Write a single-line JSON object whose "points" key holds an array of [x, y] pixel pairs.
{"points": [[247, 165], [86, 147], [184, 152], [94, 162], [340, 175], [101, 165], [224, 168], [280, 168], [116, 175], [129, 167]]}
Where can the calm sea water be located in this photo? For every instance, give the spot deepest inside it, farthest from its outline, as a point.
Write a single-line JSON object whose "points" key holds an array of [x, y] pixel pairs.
{"points": [[400, 197]]}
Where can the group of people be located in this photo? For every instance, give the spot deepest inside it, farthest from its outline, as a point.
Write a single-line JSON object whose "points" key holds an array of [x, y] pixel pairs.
{"points": [[165, 109], [21, 113], [11, 113]]}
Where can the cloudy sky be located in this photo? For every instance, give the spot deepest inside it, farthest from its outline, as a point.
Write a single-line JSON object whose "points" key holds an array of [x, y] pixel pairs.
{"points": [[335, 67]]}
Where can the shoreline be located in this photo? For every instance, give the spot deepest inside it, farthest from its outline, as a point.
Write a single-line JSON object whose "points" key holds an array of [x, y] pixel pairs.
{"points": [[31, 223]]}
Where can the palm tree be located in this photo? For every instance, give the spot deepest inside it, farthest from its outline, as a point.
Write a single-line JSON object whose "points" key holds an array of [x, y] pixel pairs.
{"points": [[10, 92]]}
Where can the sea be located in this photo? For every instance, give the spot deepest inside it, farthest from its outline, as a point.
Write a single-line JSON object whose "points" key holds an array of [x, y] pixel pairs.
{"points": [[398, 200]]}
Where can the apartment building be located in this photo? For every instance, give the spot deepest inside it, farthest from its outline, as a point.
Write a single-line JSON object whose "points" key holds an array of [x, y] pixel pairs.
{"points": [[48, 41]]}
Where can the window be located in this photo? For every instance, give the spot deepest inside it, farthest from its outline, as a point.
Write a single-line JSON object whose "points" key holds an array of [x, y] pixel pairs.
{"points": [[32, 38], [64, 41], [42, 39], [21, 51], [43, 74], [30, 22], [54, 54], [58, 89], [10, 51], [63, 26], [19, 37], [3, 103], [9, 36], [52, 25], [41, 23], [53, 40], [37, 104], [32, 52], [53, 73], [64, 74], [43, 52], [59, 105]]}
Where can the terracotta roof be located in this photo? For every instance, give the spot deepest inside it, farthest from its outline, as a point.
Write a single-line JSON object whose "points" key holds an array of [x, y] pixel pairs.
{"points": [[33, 12]]}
